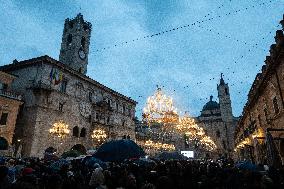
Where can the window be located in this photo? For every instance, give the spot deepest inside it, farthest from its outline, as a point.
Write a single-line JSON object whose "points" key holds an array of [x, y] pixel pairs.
{"points": [[108, 119], [218, 133], [76, 131], [3, 144], [90, 119], [224, 145], [83, 132], [3, 119], [90, 96], [226, 91], [71, 24], [83, 42], [109, 102], [3, 86], [117, 107], [266, 115], [97, 116], [275, 105], [60, 108], [69, 39], [123, 109], [259, 120], [123, 123], [63, 86]]}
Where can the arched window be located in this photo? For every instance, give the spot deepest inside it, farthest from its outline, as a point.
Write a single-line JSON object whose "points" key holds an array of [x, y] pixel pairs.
{"points": [[69, 39], [224, 145], [83, 132], [218, 133], [71, 24], [76, 131], [226, 91], [83, 42], [275, 105], [3, 144]]}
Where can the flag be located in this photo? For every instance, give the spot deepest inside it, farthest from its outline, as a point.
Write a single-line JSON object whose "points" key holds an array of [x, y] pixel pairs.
{"points": [[55, 76]]}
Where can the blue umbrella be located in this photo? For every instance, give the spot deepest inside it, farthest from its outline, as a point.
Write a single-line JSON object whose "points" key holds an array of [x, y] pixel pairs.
{"points": [[119, 150], [58, 164], [91, 161], [145, 162], [247, 165]]}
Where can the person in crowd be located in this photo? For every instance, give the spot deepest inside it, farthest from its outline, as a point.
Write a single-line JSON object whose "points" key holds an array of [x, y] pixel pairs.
{"points": [[33, 173]]}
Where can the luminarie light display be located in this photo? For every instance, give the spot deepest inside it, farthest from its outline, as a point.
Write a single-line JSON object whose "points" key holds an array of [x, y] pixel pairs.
{"points": [[160, 109], [99, 135], [59, 129]]}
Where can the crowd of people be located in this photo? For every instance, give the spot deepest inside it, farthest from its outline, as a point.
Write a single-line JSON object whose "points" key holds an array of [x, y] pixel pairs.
{"points": [[34, 173]]}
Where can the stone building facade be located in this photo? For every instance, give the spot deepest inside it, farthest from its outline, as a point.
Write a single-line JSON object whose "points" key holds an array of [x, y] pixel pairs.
{"points": [[218, 121], [264, 108], [9, 107], [59, 91]]}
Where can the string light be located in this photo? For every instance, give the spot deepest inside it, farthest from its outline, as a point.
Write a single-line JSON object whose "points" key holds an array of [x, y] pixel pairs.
{"points": [[187, 25]]}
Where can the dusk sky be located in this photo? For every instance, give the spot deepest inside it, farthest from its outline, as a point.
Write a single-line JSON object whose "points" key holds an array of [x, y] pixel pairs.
{"points": [[185, 62]]}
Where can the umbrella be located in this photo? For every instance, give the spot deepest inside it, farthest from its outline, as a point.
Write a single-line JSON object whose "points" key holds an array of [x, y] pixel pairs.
{"points": [[119, 150], [58, 164], [145, 162], [71, 153], [91, 161], [50, 150], [247, 165], [170, 155]]}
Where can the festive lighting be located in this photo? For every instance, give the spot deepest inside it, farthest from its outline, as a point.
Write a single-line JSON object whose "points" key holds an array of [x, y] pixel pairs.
{"points": [[60, 129], [187, 126], [99, 135], [208, 143], [159, 109], [259, 133], [156, 145]]}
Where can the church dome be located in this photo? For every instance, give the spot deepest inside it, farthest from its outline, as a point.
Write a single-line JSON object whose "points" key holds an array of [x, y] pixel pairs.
{"points": [[211, 105]]}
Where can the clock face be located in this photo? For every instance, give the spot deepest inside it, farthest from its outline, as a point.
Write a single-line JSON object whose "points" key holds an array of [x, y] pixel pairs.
{"points": [[82, 54]]}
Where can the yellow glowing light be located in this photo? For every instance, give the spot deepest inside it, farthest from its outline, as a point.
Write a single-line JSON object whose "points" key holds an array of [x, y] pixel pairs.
{"points": [[149, 144], [99, 135], [160, 109], [60, 129]]}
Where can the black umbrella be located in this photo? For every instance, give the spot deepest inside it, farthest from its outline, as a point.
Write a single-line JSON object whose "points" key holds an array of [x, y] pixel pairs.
{"points": [[119, 150]]}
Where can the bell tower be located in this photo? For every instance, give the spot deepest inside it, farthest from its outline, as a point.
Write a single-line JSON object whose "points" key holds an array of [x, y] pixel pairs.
{"points": [[224, 100], [75, 43]]}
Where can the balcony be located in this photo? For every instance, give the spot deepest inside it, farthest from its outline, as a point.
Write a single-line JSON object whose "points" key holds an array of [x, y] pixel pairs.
{"points": [[10, 94]]}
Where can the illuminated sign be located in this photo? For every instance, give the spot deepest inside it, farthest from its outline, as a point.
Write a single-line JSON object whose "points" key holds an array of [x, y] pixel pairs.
{"points": [[188, 154]]}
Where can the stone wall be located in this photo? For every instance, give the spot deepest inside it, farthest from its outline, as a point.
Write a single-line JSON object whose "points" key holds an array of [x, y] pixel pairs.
{"points": [[41, 110]]}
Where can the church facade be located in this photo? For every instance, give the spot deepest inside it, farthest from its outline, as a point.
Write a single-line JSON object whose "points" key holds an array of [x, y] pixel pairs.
{"points": [[59, 91], [218, 121]]}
